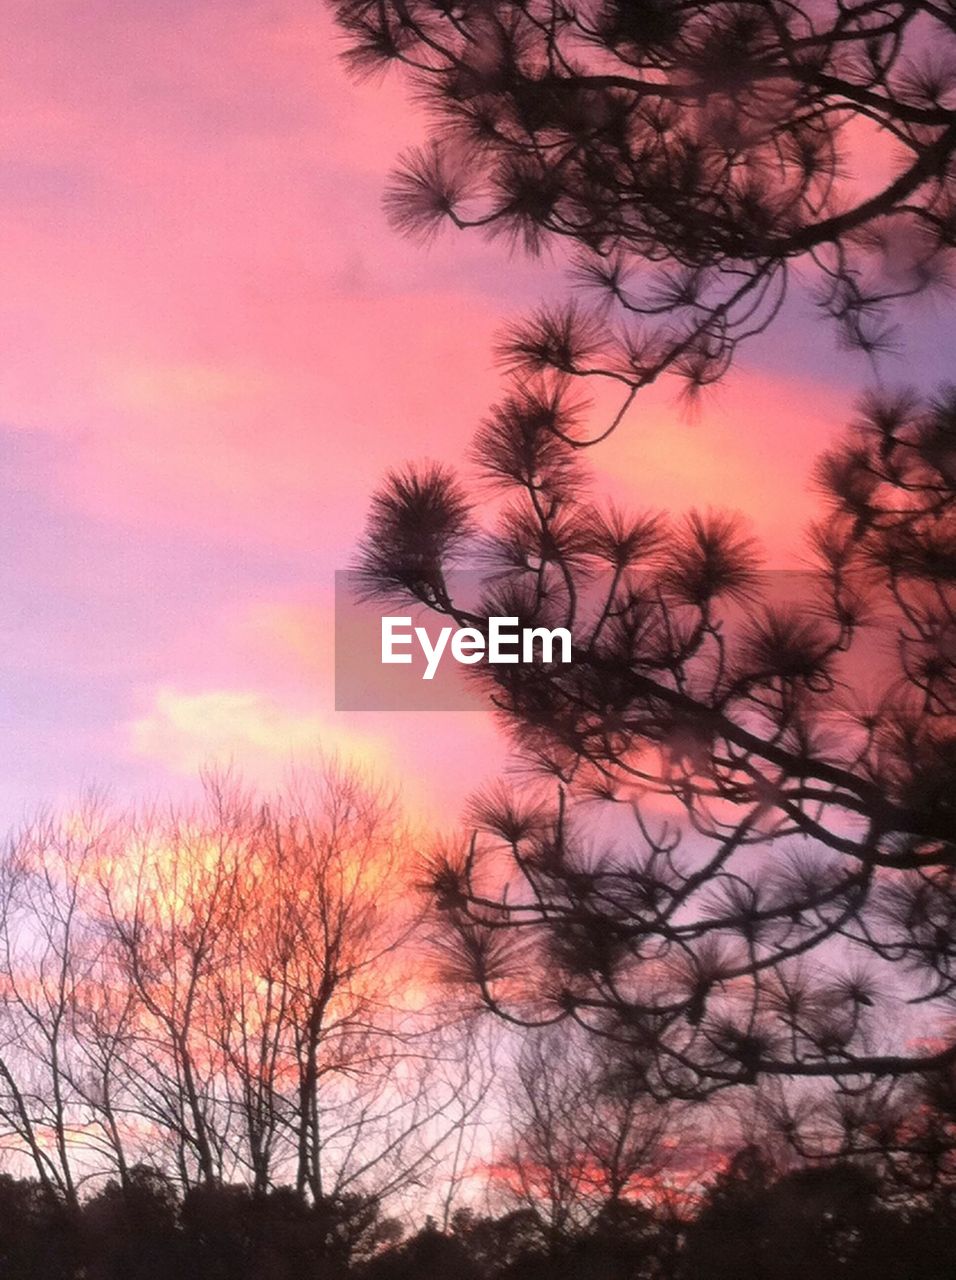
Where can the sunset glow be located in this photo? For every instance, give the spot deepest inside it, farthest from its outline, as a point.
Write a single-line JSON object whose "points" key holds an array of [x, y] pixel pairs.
{"points": [[478, 639], [214, 347]]}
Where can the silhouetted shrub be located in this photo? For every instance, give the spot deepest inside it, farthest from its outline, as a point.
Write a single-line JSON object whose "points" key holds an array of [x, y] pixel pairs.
{"points": [[130, 1229], [428, 1253], [39, 1237]]}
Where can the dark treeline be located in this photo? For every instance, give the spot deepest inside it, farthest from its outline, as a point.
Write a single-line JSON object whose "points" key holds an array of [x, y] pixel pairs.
{"points": [[840, 1220]]}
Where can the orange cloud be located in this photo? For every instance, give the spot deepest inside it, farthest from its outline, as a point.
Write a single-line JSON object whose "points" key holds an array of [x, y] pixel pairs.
{"points": [[752, 450]]}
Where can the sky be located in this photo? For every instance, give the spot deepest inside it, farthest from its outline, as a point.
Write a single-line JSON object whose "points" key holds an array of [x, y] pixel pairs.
{"points": [[213, 349]]}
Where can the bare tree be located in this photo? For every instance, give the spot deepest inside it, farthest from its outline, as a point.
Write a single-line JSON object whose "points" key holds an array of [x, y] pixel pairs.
{"points": [[227, 991], [168, 906], [50, 964], [581, 1141], [264, 1021]]}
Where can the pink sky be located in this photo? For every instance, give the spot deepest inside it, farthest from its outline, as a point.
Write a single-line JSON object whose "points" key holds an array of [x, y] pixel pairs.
{"points": [[214, 347]]}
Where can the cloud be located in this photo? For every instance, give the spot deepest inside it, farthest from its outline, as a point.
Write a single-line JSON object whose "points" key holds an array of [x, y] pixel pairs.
{"points": [[202, 302], [432, 760], [187, 731], [752, 450]]}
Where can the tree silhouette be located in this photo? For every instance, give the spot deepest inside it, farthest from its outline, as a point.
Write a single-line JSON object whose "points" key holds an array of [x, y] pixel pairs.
{"points": [[786, 769], [774, 899], [692, 153], [580, 1142], [828, 1221], [220, 991]]}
